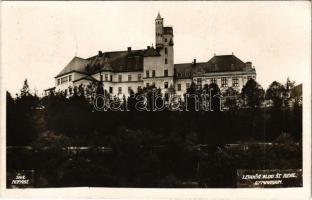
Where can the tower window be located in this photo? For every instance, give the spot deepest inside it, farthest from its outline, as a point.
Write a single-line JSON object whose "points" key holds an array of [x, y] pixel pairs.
{"points": [[101, 77], [165, 72], [119, 78], [179, 87], [129, 77], [119, 90], [70, 78], [166, 50], [223, 82], [111, 77], [153, 73], [166, 61], [235, 82], [139, 77], [111, 90], [213, 80], [106, 77], [166, 85], [147, 74]]}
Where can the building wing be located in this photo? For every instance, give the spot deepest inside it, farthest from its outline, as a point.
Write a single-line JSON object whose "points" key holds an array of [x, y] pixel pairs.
{"points": [[75, 65]]}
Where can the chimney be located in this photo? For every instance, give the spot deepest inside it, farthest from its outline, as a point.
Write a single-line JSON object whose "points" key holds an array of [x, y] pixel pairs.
{"points": [[100, 54], [248, 65], [129, 49], [148, 47], [194, 62]]}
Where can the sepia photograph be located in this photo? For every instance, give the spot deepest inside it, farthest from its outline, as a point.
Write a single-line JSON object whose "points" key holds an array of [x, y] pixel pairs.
{"points": [[156, 95]]}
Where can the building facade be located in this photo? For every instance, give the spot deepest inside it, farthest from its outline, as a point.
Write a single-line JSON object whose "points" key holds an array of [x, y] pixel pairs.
{"points": [[122, 71]]}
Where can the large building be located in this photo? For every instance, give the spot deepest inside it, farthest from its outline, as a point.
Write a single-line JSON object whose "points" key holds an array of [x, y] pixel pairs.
{"points": [[120, 71]]}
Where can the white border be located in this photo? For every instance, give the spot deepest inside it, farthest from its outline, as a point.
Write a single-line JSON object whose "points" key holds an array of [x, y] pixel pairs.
{"points": [[131, 193]]}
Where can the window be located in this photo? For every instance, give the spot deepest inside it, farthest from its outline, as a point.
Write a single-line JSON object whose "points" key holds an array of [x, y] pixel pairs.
{"points": [[111, 77], [119, 78], [213, 80], [106, 77], [139, 77], [64, 80], [147, 74], [188, 85], [70, 78], [119, 90], [235, 82], [129, 77], [153, 73], [58, 81], [147, 84], [199, 81], [165, 72], [70, 90], [166, 50], [223, 82], [179, 87], [166, 85], [111, 90], [129, 90], [101, 77], [166, 61]]}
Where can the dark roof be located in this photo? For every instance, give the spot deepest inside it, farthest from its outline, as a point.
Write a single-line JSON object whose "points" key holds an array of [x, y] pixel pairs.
{"points": [[117, 61], [151, 52], [296, 91], [222, 63], [168, 30], [75, 65], [185, 70], [89, 78]]}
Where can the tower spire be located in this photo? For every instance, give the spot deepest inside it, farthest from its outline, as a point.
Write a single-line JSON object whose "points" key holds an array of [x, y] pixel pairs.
{"points": [[158, 16]]}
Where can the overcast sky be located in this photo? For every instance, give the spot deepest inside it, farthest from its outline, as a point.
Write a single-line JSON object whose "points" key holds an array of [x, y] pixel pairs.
{"points": [[40, 38]]}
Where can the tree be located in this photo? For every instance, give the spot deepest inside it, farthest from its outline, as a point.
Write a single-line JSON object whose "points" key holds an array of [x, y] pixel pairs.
{"points": [[215, 97], [25, 91], [191, 97], [231, 97], [252, 94], [21, 122], [276, 93]]}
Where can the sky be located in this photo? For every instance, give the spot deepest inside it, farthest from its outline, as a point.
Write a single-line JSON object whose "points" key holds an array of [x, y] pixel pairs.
{"points": [[38, 39]]}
